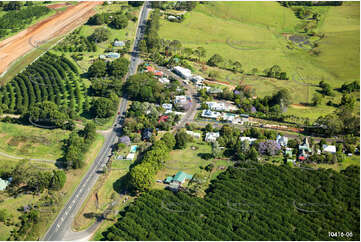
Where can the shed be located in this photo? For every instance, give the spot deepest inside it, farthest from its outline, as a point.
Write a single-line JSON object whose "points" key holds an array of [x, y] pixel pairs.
{"points": [[168, 179]]}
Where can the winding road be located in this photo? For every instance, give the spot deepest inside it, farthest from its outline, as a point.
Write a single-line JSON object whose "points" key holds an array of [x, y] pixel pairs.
{"points": [[61, 227]]}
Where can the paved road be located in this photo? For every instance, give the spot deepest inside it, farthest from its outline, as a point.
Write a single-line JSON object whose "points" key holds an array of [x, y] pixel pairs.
{"points": [[61, 228]]}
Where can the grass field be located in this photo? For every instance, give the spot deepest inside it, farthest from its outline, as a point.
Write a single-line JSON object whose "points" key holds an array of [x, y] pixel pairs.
{"points": [[251, 32], [105, 187], [31, 142], [353, 160]]}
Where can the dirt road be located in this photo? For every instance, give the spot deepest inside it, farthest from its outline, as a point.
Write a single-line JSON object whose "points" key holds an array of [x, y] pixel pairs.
{"points": [[56, 25]]}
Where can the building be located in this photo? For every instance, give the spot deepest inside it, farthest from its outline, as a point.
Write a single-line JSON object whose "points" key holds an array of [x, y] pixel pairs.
{"points": [[150, 69], [177, 180], [231, 118], [3, 184], [329, 149], [217, 106], [244, 117], [181, 101], [167, 106], [159, 73], [197, 80], [164, 80], [212, 136], [118, 43], [163, 118], [130, 156], [282, 140], [210, 114], [183, 72], [133, 148], [193, 134], [112, 55], [249, 139], [304, 147], [214, 90]]}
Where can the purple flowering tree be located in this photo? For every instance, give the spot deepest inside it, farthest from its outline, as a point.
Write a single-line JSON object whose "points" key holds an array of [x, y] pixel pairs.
{"points": [[269, 147], [253, 109]]}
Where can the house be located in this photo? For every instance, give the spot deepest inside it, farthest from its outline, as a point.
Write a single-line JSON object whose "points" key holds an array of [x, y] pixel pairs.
{"points": [[167, 106], [183, 72], [197, 80], [164, 80], [118, 43], [147, 134], [112, 55], [150, 69], [193, 134], [217, 106], [244, 117], [231, 118], [124, 140], [3, 184], [210, 114], [282, 140], [181, 177], [130, 156], [212, 136], [329, 148], [163, 118], [214, 90], [182, 101], [304, 147], [249, 139], [159, 73]]}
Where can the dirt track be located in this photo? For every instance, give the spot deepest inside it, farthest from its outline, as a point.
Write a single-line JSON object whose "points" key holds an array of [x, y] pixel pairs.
{"points": [[56, 25]]}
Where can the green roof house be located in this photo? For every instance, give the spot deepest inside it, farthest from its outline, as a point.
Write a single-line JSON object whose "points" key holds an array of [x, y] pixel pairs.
{"points": [[168, 179], [181, 177], [3, 184]]}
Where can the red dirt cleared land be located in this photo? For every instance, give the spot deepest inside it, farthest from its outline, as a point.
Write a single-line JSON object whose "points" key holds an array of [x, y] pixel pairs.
{"points": [[56, 25]]}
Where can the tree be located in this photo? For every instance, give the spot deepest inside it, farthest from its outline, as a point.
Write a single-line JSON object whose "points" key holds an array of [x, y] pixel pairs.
{"points": [[216, 150], [181, 138], [103, 107], [100, 35], [141, 177], [47, 113], [200, 52], [135, 3], [348, 100], [169, 140], [58, 180], [97, 69], [253, 154], [89, 132], [119, 67], [209, 128], [187, 52], [316, 99], [13, 5], [119, 22], [215, 60], [3, 215], [142, 46]]}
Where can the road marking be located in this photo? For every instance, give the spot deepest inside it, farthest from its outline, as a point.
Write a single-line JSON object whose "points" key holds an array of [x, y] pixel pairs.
{"points": [[58, 225], [66, 213], [73, 201], [77, 195], [62, 218]]}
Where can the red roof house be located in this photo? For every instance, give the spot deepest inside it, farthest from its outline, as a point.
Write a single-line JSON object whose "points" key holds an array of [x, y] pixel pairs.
{"points": [[163, 118], [150, 69]]}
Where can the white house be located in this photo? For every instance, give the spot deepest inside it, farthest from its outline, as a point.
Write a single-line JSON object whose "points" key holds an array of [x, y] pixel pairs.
{"points": [[250, 140], [212, 136], [130, 156], [231, 118], [329, 148], [214, 90], [210, 114], [167, 106], [282, 140], [217, 106], [118, 43], [164, 80], [193, 134], [183, 72]]}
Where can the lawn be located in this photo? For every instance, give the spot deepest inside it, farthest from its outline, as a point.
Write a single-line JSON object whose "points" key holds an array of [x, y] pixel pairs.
{"points": [[106, 188], [350, 160], [190, 160], [251, 32], [31, 142]]}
